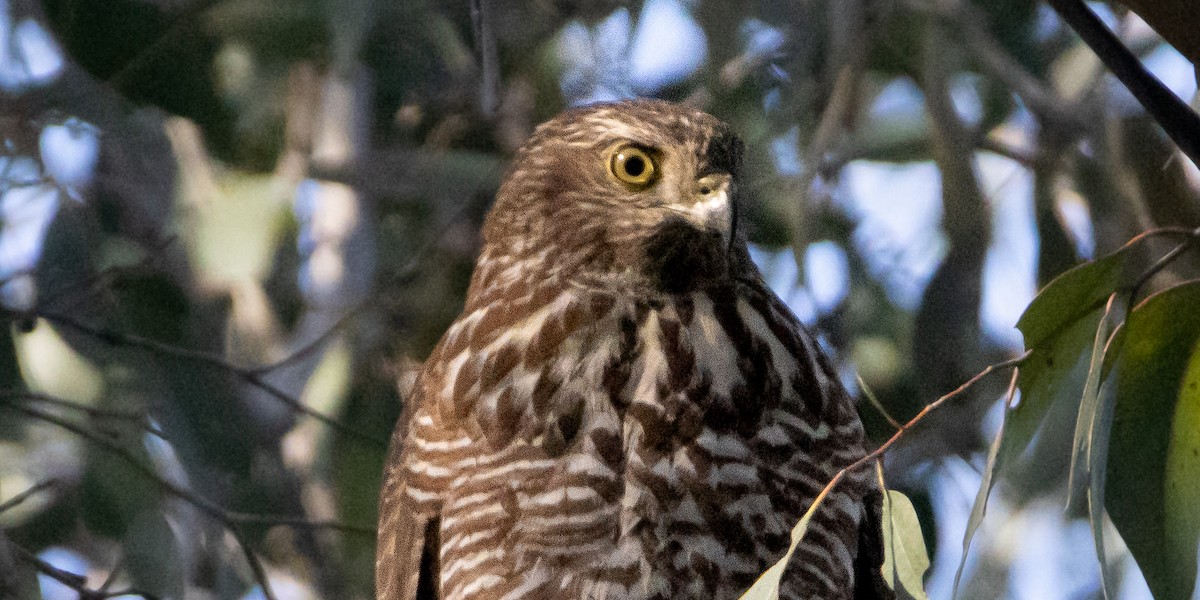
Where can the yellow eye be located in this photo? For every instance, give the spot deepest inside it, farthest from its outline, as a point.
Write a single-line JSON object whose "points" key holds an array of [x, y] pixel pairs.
{"points": [[633, 166]]}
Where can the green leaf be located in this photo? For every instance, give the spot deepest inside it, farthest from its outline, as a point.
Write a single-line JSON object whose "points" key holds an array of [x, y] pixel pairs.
{"points": [[1074, 295], [1097, 460], [1182, 497], [1053, 372], [1086, 424], [904, 558], [1060, 328], [767, 586], [152, 555], [979, 508], [1154, 459], [18, 579], [114, 491]]}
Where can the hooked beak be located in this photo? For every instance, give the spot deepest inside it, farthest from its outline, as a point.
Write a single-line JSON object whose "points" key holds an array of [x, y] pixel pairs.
{"points": [[710, 206]]}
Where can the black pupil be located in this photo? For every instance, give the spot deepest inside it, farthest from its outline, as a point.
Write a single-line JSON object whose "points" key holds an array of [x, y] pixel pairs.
{"points": [[634, 166]]}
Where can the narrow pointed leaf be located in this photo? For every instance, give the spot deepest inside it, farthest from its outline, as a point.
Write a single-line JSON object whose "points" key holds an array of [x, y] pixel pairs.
{"points": [[1060, 328], [767, 586], [979, 508], [904, 557], [1182, 477], [1153, 465], [1097, 460], [1085, 421]]}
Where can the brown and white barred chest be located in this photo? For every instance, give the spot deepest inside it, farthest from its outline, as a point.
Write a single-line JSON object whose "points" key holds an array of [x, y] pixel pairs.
{"points": [[579, 444]]}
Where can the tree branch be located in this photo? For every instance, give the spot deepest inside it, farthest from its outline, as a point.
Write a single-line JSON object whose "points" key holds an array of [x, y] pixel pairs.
{"points": [[25, 495], [251, 376], [1180, 123], [75, 581], [929, 408], [231, 521], [140, 419]]}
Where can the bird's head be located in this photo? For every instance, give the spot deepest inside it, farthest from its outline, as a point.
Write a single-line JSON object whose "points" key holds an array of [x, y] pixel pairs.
{"points": [[639, 193]]}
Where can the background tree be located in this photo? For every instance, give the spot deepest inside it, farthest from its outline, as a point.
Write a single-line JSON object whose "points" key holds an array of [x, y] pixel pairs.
{"points": [[228, 227]]}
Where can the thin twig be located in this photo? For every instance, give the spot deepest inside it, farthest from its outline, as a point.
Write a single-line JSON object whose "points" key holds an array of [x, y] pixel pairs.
{"points": [[932, 406], [1159, 232], [112, 575], [260, 573], [67, 578], [230, 521], [862, 385], [1162, 263], [25, 495], [141, 419], [75, 581], [315, 344], [299, 523], [64, 298], [250, 376]]}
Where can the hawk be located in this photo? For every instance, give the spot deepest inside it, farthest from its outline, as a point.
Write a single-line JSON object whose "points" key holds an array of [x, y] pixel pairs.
{"points": [[623, 409]]}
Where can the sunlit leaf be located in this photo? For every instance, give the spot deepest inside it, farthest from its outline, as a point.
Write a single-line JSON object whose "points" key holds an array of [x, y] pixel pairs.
{"points": [[43, 356], [767, 586], [904, 557], [1151, 492], [235, 233]]}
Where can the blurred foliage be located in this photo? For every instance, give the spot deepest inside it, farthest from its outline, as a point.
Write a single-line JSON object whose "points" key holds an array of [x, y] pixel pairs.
{"points": [[284, 211]]}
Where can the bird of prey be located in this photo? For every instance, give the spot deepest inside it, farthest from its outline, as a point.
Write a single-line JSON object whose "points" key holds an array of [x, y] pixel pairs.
{"points": [[623, 410]]}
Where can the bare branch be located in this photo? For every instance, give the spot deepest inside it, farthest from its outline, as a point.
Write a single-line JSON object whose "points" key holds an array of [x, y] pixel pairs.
{"points": [[75, 581], [929, 408], [999, 63], [25, 495], [141, 419], [229, 520], [251, 376], [1180, 123], [298, 522], [315, 344], [1162, 263]]}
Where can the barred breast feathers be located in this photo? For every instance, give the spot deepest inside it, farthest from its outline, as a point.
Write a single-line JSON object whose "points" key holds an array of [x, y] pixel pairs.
{"points": [[596, 415]]}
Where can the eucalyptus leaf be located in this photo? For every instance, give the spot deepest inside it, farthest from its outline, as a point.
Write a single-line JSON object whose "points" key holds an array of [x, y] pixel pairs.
{"points": [[1060, 327], [904, 557], [1153, 457], [767, 585], [152, 555], [1074, 295], [1086, 423], [979, 508]]}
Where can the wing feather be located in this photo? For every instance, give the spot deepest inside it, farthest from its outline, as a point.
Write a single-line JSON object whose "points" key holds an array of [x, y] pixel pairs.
{"points": [[407, 544]]}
